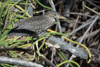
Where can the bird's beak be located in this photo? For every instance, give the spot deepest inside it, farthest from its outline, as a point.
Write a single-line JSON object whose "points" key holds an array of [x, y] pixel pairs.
{"points": [[61, 17]]}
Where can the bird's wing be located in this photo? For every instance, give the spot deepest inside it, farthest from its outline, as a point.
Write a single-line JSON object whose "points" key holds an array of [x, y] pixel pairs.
{"points": [[37, 24]]}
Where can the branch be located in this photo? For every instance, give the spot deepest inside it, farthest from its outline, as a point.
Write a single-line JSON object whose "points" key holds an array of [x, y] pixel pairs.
{"points": [[79, 52], [18, 62]]}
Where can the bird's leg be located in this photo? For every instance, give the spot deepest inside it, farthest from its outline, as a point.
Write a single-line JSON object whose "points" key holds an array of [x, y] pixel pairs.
{"points": [[33, 45]]}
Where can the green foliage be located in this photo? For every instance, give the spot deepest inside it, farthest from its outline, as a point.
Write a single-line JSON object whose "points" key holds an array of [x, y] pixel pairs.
{"points": [[7, 19]]}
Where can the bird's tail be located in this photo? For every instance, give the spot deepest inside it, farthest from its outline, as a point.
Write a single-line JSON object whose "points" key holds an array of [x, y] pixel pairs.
{"points": [[20, 32]]}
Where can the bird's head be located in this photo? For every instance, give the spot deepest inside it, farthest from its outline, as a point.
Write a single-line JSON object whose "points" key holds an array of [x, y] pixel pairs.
{"points": [[55, 15]]}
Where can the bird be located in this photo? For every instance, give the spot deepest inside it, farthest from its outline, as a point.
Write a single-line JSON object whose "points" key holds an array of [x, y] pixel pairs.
{"points": [[35, 25]]}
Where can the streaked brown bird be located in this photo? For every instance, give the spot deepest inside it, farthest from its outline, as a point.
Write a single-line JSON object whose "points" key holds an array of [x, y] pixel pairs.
{"points": [[35, 25]]}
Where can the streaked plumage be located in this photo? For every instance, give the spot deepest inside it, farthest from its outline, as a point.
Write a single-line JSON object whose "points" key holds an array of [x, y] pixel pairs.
{"points": [[34, 25]]}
